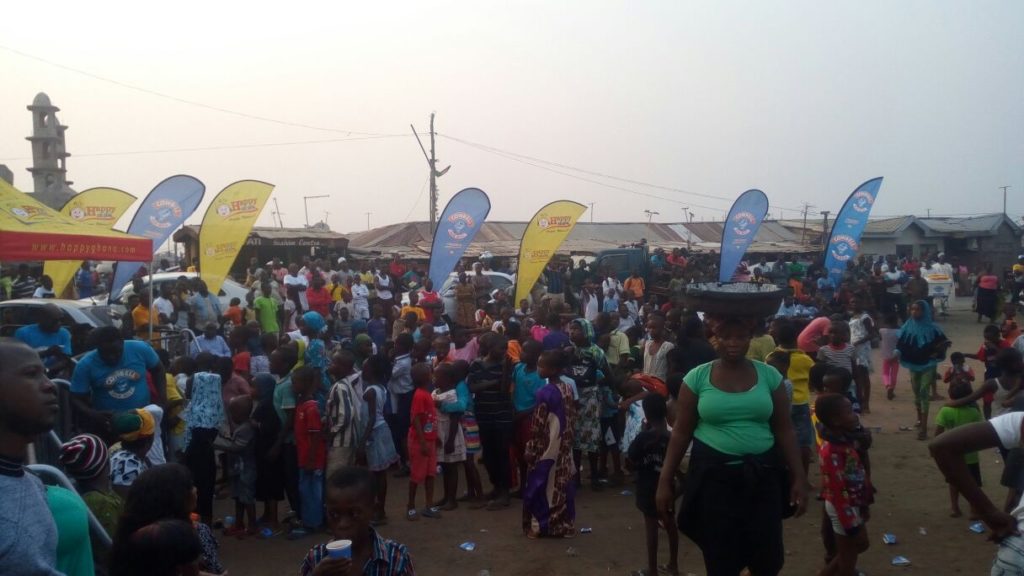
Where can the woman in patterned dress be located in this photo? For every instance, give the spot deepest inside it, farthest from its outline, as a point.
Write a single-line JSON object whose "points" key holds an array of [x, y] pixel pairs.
{"points": [[589, 369], [549, 493], [465, 302]]}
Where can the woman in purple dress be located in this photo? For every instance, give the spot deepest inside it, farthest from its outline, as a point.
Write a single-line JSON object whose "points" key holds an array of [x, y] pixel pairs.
{"points": [[549, 508]]}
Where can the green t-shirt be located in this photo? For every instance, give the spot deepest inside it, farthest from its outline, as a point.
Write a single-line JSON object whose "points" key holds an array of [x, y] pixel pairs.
{"points": [[74, 549], [106, 507], [266, 313], [950, 418], [737, 423], [284, 400]]}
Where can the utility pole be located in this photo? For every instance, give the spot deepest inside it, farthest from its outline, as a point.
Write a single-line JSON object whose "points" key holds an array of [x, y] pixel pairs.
{"points": [[824, 228], [591, 211], [368, 219], [651, 214], [1004, 198], [277, 212], [434, 173], [803, 231], [305, 204]]}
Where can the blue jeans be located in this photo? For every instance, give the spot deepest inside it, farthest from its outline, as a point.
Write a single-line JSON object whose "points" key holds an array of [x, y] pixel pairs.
{"points": [[1010, 557], [311, 497]]}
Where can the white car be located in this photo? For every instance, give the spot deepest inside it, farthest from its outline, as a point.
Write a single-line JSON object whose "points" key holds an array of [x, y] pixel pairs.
{"points": [[228, 290]]}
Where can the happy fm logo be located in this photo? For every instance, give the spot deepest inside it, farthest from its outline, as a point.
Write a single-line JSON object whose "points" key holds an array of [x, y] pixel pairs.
{"points": [[26, 213], [843, 247], [237, 208], [164, 213], [743, 223], [92, 213], [554, 222], [862, 201], [459, 225]]}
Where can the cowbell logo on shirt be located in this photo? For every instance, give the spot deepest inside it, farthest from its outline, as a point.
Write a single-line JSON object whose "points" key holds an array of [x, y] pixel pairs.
{"points": [[120, 384]]}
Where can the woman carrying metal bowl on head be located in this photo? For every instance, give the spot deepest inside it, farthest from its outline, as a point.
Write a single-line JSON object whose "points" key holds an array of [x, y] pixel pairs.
{"points": [[745, 473]]}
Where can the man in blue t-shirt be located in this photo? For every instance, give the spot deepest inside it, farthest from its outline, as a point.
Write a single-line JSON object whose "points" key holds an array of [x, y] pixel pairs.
{"points": [[84, 281], [47, 336], [112, 378]]}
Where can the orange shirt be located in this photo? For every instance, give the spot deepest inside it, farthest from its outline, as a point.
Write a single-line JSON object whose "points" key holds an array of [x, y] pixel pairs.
{"points": [[234, 313], [798, 288], [635, 285], [515, 349]]}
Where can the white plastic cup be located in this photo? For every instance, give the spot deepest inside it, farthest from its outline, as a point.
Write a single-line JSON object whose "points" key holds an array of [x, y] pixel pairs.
{"points": [[339, 549]]}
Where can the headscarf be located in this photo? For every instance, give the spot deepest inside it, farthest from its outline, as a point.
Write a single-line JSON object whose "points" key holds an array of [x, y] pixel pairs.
{"points": [[359, 327], [590, 350], [133, 425], [314, 321], [923, 330], [917, 339], [84, 456]]}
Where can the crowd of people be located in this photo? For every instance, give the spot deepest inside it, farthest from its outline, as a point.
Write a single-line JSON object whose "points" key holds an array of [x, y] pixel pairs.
{"points": [[323, 384]]}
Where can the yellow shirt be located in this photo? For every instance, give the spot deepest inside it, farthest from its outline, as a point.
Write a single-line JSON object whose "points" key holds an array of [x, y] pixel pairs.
{"points": [[761, 347], [799, 374], [618, 346], [338, 292], [142, 318], [174, 395], [420, 314]]}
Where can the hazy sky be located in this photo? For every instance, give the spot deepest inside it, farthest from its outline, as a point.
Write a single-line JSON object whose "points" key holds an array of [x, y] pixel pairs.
{"points": [[804, 100]]}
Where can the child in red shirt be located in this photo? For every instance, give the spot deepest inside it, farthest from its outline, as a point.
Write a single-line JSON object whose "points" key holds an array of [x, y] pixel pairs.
{"points": [[990, 347], [311, 449], [422, 443], [959, 371], [845, 482]]}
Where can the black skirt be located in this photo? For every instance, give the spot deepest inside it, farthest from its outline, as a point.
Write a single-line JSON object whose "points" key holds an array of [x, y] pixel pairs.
{"points": [[733, 508], [269, 473]]}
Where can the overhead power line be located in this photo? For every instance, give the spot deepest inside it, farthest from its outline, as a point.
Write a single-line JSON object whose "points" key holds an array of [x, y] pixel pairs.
{"points": [[225, 147], [183, 100], [510, 154]]}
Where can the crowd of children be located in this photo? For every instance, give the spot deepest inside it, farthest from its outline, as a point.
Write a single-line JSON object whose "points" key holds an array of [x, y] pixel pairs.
{"points": [[318, 402]]}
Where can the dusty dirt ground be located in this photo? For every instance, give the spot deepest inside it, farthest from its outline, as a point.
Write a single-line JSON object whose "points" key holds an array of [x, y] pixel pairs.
{"points": [[911, 496]]}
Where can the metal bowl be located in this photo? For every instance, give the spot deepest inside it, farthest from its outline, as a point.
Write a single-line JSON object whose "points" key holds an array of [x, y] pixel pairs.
{"points": [[734, 299]]}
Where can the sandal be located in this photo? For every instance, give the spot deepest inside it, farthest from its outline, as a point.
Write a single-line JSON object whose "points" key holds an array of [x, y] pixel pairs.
{"points": [[411, 515], [432, 512]]}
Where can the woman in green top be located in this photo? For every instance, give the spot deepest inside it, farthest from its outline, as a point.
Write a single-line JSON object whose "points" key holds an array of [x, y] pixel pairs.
{"points": [[744, 449]]}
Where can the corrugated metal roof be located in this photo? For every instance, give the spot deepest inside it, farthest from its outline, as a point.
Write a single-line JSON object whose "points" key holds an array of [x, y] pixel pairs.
{"points": [[977, 225], [887, 226], [267, 232]]}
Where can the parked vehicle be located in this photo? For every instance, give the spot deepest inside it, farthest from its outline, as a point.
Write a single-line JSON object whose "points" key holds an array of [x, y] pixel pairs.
{"points": [[228, 290], [78, 317]]}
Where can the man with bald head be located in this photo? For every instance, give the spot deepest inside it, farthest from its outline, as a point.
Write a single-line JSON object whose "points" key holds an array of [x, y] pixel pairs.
{"points": [[28, 408], [47, 336]]}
